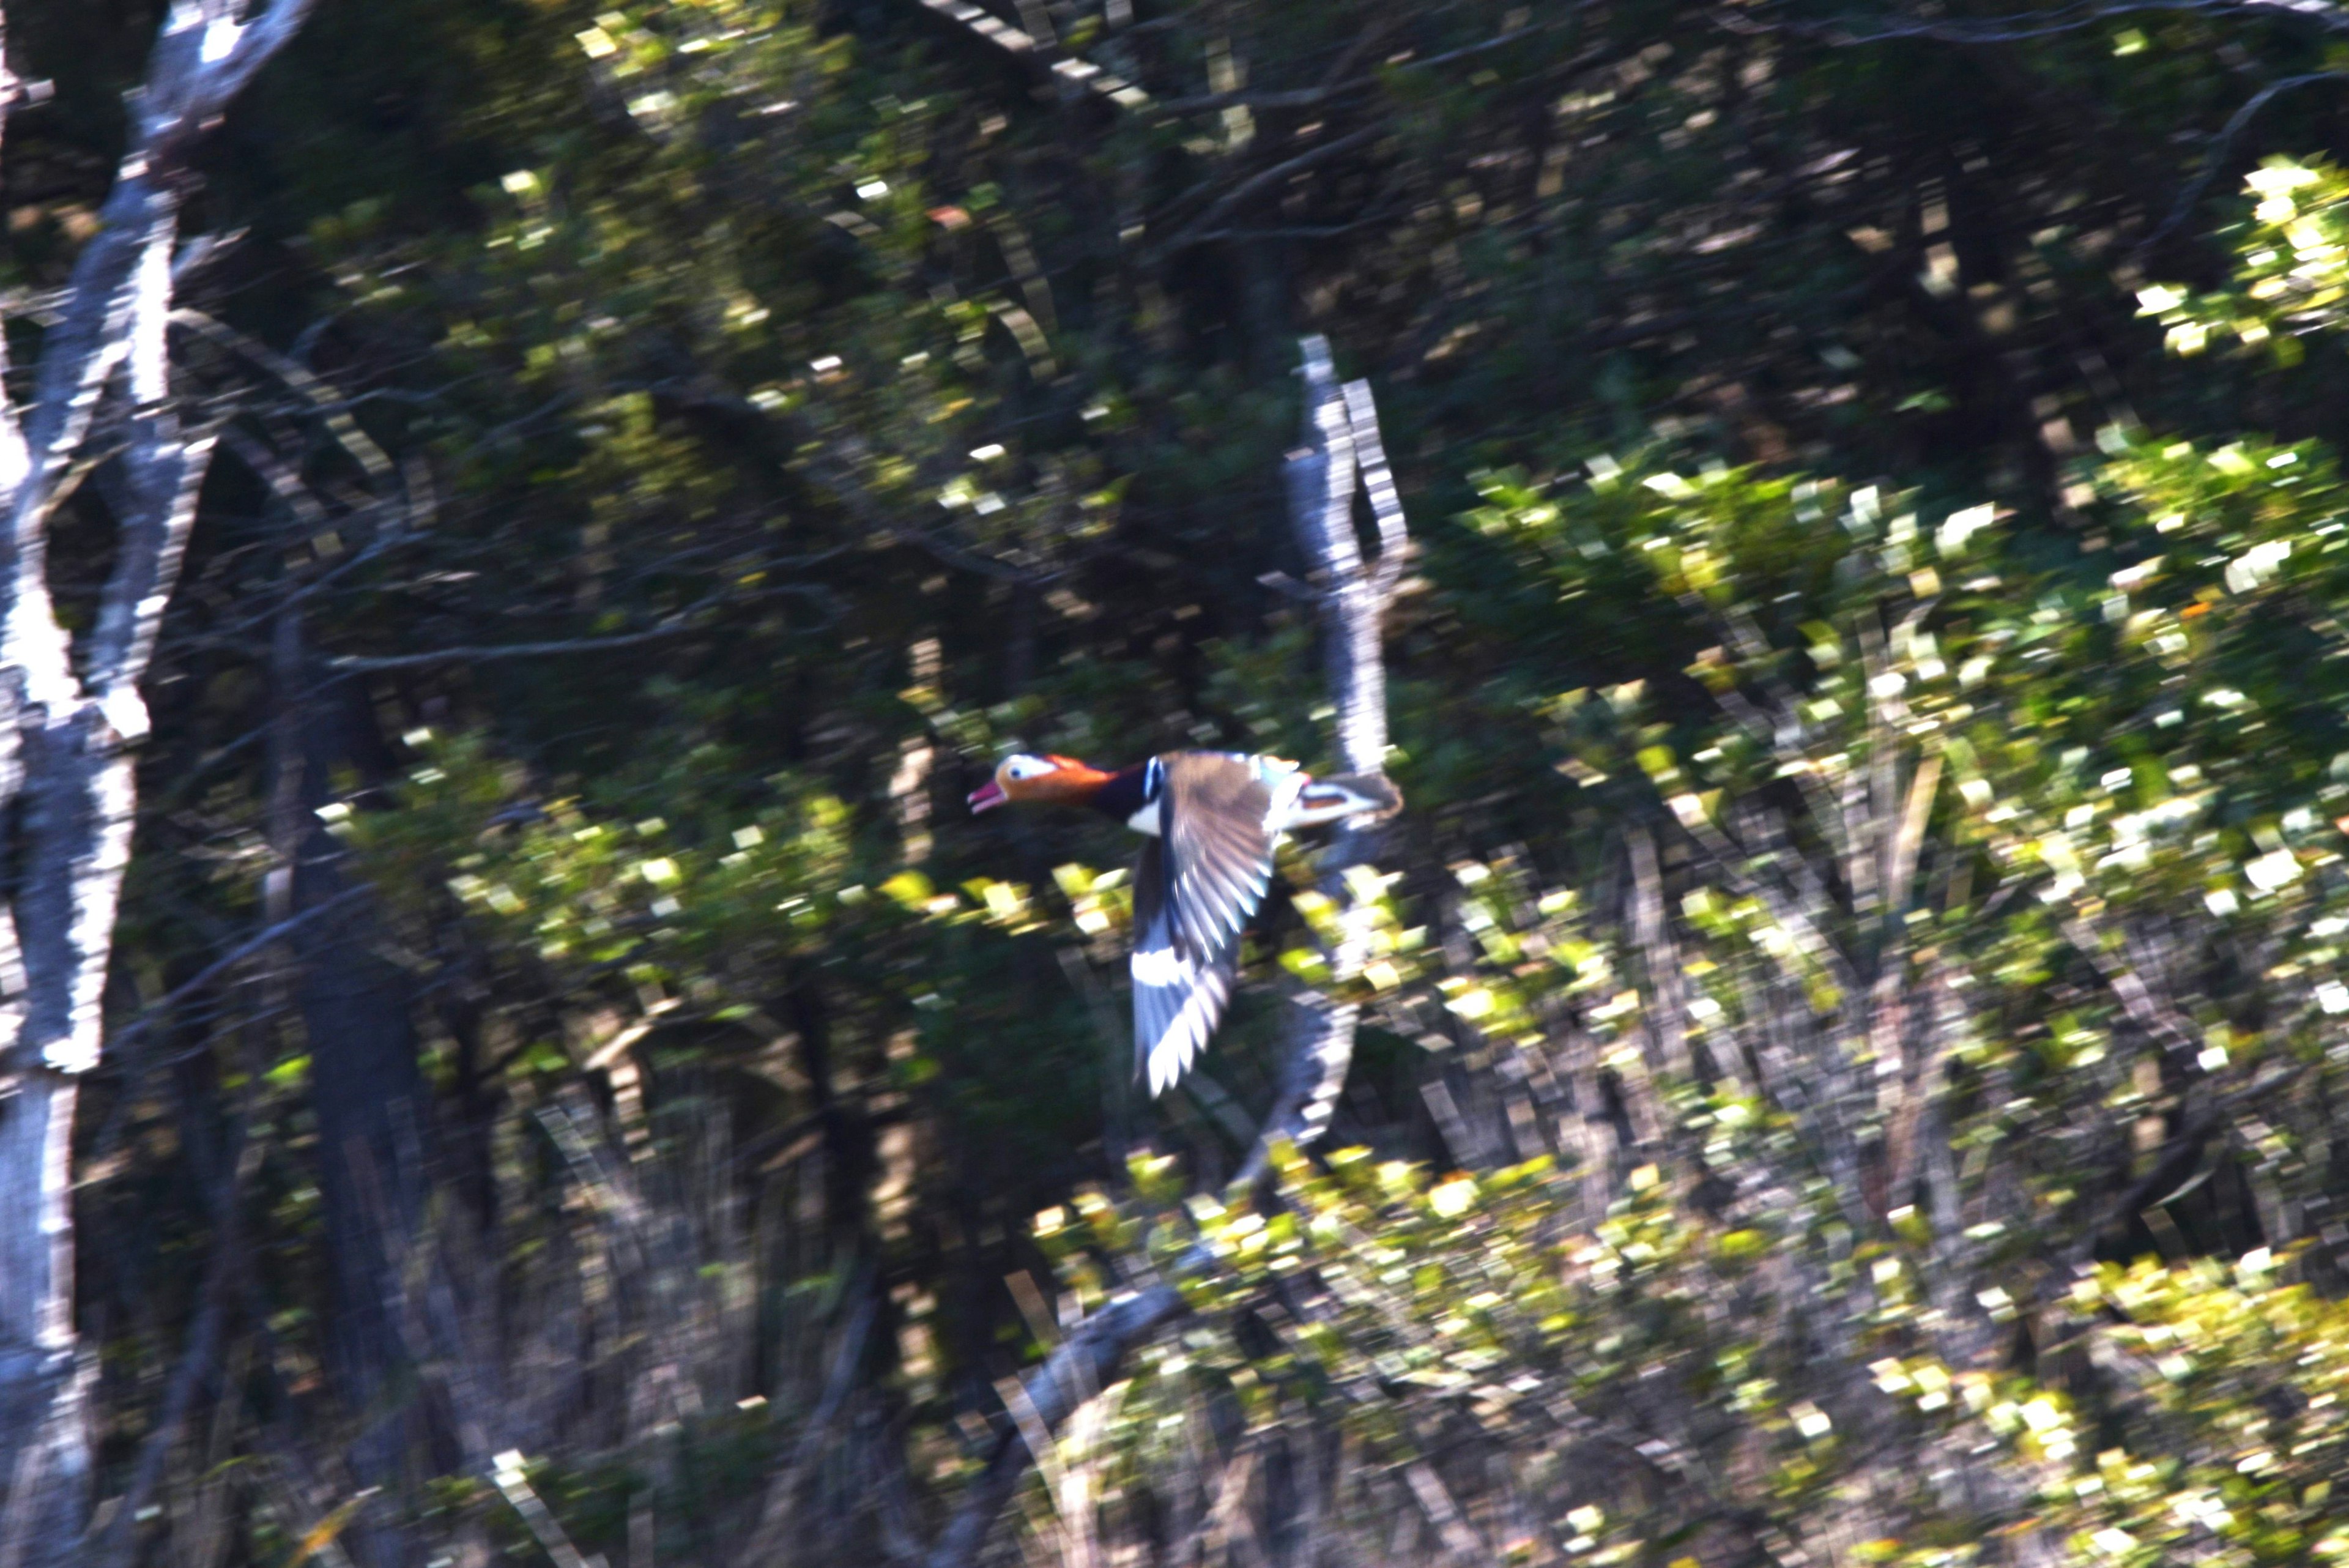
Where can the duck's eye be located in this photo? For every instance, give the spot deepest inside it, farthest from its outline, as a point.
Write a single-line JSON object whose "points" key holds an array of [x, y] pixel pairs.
{"points": [[1027, 767]]}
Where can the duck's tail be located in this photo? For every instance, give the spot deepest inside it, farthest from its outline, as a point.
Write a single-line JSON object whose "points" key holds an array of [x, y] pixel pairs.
{"points": [[1343, 795]]}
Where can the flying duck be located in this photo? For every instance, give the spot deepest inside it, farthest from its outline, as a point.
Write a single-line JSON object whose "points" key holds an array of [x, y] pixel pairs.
{"points": [[1211, 820]]}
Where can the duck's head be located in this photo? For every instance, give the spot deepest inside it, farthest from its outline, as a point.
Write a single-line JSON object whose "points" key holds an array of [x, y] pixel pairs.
{"points": [[1025, 777]]}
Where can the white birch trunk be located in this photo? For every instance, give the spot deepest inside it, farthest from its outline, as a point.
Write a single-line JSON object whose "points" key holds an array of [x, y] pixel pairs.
{"points": [[1343, 456], [69, 715]]}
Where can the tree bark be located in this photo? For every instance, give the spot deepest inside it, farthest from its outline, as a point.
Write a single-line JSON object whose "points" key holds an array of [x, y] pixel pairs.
{"points": [[1343, 454], [369, 1098], [43, 1386], [65, 736]]}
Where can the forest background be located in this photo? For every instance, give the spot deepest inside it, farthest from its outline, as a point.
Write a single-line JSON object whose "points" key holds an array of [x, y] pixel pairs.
{"points": [[1844, 1039]]}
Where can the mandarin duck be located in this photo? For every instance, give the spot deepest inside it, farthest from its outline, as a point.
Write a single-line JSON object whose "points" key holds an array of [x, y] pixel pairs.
{"points": [[1211, 819]]}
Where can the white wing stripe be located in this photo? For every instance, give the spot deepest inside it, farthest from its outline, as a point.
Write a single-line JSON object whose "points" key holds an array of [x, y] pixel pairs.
{"points": [[1159, 967], [1177, 1003], [1179, 1040]]}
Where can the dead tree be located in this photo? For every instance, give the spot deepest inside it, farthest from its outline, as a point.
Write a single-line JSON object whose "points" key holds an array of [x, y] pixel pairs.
{"points": [[70, 714], [1342, 457]]}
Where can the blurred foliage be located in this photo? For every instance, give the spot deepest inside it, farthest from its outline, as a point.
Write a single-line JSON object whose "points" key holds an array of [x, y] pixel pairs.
{"points": [[2290, 277], [1852, 1018]]}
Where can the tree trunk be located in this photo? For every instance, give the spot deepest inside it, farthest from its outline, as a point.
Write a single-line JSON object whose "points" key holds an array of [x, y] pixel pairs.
{"points": [[42, 1382], [368, 1095], [70, 709]]}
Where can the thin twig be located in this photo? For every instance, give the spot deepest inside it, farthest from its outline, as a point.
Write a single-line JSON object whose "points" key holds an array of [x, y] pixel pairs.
{"points": [[2019, 29], [687, 623], [121, 1039], [1225, 205], [2183, 208]]}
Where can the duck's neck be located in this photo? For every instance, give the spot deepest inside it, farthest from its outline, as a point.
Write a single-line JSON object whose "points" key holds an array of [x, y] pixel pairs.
{"points": [[1130, 797]]}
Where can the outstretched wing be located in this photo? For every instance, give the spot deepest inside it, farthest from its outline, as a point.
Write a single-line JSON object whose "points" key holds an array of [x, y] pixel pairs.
{"points": [[1197, 883], [1215, 819], [1179, 990]]}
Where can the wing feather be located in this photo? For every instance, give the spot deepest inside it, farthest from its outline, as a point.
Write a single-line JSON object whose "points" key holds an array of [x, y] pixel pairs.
{"points": [[1179, 990], [1198, 884], [1219, 844]]}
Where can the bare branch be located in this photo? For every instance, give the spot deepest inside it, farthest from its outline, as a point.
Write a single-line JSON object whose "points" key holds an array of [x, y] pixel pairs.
{"points": [[685, 624], [80, 358], [2330, 18], [782, 1490], [227, 54], [2174, 1034], [118, 1544], [115, 306], [1379, 488], [847, 486], [164, 472], [2183, 208], [1452, 1527], [268, 936], [1668, 1023], [1322, 480], [1192, 234], [1022, 50], [1294, 97], [1343, 449], [1086, 1363], [15, 459], [1320, 1051], [324, 400], [63, 746]]}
